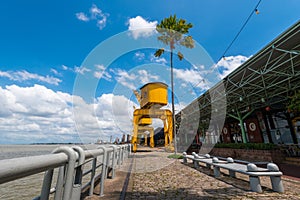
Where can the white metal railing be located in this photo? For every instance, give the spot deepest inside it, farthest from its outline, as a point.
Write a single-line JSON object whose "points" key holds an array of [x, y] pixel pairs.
{"points": [[70, 162]]}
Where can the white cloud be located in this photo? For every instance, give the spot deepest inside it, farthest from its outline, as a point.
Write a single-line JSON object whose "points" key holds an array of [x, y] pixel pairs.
{"points": [[6, 74], [95, 11], [35, 112], [54, 71], [124, 78], [139, 55], [81, 70], [160, 60], [23, 75], [191, 76], [134, 79], [230, 63], [101, 23], [95, 14], [102, 73], [39, 114], [64, 67], [146, 77], [140, 27], [82, 17]]}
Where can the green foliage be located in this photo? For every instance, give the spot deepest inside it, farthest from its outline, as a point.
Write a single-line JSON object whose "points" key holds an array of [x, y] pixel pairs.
{"points": [[294, 104], [180, 55], [159, 52], [175, 156], [257, 146], [173, 32]]}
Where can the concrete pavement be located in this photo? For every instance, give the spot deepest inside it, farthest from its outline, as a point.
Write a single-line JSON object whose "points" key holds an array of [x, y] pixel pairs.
{"points": [[154, 176]]}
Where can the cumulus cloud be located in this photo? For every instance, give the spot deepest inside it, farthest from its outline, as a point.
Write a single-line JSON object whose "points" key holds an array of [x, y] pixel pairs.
{"points": [[193, 77], [100, 72], [24, 75], [229, 64], [82, 17], [146, 77], [54, 71], [160, 60], [139, 27], [132, 80], [99, 16], [81, 70], [64, 67], [38, 114], [139, 55], [95, 14], [124, 78]]}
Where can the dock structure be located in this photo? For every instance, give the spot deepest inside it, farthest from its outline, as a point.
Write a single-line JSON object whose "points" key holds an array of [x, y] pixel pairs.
{"points": [[152, 97]]}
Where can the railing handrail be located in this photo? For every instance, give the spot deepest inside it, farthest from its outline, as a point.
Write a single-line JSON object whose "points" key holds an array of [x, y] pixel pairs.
{"points": [[16, 168]]}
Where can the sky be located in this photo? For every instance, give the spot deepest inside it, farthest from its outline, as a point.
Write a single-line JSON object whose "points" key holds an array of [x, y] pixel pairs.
{"points": [[68, 68]]}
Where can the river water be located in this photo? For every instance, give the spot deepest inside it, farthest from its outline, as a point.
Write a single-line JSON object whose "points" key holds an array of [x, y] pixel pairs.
{"points": [[28, 187]]}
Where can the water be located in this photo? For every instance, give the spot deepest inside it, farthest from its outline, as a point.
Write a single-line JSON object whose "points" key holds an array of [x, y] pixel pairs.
{"points": [[16, 151], [28, 187]]}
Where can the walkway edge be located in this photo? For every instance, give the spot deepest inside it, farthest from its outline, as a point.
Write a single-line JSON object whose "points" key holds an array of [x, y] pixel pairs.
{"points": [[126, 182]]}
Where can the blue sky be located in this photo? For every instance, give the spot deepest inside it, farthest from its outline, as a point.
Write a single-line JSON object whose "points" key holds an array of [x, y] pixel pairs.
{"points": [[55, 87]]}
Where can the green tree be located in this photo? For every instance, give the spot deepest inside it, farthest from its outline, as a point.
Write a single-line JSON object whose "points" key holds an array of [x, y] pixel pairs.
{"points": [[294, 103], [173, 33]]}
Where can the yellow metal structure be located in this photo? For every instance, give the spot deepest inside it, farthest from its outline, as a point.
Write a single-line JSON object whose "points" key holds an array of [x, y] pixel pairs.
{"points": [[145, 121], [142, 131], [153, 96]]}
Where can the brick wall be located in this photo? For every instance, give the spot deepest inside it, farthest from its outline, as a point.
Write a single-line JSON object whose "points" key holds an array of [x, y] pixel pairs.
{"points": [[275, 156]]}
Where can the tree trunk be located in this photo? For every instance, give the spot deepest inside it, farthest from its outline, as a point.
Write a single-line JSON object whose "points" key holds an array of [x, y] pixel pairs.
{"points": [[173, 107]]}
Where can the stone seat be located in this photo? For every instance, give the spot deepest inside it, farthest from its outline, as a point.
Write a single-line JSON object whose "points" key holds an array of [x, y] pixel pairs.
{"points": [[249, 169]]}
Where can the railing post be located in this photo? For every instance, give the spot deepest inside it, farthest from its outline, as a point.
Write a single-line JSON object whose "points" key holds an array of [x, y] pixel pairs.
{"points": [[109, 161], [124, 151], [103, 173], [59, 183], [46, 185], [129, 149], [119, 156], [93, 173], [76, 190], [69, 178], [67, 191], [113, 161]]}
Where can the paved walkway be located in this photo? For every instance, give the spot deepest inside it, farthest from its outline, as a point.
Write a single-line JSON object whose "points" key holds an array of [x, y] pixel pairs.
{"points": [[154, 176]]}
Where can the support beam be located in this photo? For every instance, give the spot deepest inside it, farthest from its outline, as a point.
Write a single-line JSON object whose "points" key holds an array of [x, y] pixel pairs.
{"points": [[241, 119]]}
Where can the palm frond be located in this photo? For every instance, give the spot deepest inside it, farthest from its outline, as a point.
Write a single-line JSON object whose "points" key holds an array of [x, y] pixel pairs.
{"points": [[159, 52], [180, 55]]}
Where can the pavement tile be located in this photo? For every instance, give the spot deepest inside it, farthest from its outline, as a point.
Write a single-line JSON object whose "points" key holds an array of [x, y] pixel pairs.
{"points": [[156, 177]]}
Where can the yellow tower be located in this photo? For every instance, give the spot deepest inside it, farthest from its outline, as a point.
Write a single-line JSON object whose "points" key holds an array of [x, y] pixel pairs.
{"points": [[152, 97]]}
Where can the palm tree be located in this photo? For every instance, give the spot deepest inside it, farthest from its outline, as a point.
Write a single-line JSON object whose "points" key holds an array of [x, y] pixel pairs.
{"points": [[172, 33]]}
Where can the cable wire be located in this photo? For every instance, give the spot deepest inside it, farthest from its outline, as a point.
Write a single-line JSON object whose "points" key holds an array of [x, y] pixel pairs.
{"points": [[237, 35], [254, 10]]}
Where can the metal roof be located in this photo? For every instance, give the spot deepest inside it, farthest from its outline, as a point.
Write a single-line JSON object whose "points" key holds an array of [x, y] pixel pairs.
{"points": [[266, 79]]}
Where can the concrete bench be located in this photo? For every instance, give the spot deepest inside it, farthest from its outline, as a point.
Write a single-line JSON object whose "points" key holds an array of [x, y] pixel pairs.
{"points": [[250, 169]]}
